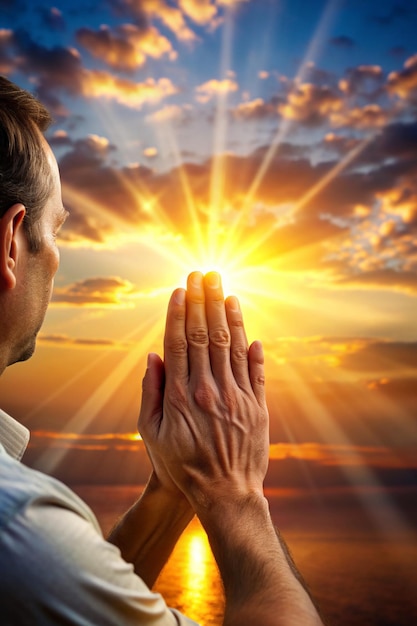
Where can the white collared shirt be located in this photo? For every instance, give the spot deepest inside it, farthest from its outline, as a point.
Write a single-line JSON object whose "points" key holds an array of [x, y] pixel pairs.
{"points": [[55, 566]]}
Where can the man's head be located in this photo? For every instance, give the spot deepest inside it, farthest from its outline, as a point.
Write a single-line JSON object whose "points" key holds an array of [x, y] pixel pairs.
{"points": [[31, 214], [25, 175]]}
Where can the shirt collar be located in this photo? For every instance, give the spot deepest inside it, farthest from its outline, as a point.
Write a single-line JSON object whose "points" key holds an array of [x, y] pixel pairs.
{"points": [[13, 436]]}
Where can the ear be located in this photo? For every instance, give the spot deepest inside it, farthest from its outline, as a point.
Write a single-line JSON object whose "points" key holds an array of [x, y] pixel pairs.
{"points": [[11, 227]]}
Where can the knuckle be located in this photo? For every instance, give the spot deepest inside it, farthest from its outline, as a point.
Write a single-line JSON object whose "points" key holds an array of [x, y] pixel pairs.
{"points": [[237, 322], [177, 345], [178, 315], [204, 396], [220, 337], [198, 336], [240, 353], [230, 402], [259, 379]]}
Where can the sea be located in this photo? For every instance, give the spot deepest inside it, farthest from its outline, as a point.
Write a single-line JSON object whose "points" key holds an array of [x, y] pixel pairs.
{"points": [[356, 549]]}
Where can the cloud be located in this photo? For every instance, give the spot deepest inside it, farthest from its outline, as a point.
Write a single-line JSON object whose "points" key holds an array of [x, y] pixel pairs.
{"points": [[385, 278], [213, 87], [256, 109], [60, 69], [128, 441], [99, 84], [382, 356], [200, 11], [344, 455], [66, 341], [95, 292], [52, 18], [369, 116], [363, 80], [342, 41], [127, 47], [145, 11], [310, 104], [404, 82], [7, 60], [150, 152], [169, 113]]}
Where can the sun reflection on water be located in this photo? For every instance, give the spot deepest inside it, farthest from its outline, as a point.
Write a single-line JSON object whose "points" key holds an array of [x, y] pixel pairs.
{"points": [[193, 571]]}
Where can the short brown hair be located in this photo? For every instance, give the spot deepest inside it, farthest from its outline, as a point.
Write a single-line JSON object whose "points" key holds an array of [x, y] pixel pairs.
{"points": [[25, 174]]}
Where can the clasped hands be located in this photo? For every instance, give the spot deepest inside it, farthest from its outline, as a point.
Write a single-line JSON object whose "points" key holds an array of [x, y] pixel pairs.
{"points": [[203, 417]]}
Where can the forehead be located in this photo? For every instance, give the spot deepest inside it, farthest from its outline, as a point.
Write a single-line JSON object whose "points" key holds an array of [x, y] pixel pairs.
{"points": [[53, 208]]}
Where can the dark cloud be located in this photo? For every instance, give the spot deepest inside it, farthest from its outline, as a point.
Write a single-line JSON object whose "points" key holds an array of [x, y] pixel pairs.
{"points": [[399, 11], [396, 141], [404, 82], [364, 80], [55, 68], [385, 278], [52, 18], [398, 51], [342, 41], [383, 356], [124, 192], [255, 110]]}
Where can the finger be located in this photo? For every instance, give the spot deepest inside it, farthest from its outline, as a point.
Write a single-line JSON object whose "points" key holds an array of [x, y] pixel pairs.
{"points": [[218, 328], [256, 371], [239, 343], [196, 327], [152, 394], [175, 340]]}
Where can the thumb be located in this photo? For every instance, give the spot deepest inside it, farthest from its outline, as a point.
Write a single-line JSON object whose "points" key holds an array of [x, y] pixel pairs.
{"points": [[152, 393]]}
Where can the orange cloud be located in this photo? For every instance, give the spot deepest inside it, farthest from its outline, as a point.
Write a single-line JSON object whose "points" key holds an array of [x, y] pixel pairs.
{"points": [[309, 103], [99, 84], [384, 278], [255, 109], [364, 79], [66, 341], [172, 17], [200, 11], [168, 114], [209, 89], [150, 152], [345, 454], [369, 116], [95, 292], [404, 82], [126, 48], [103, 441]]}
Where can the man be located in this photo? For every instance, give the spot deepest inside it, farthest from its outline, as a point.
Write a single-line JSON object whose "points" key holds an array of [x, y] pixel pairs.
{"points": [[203, 418]]}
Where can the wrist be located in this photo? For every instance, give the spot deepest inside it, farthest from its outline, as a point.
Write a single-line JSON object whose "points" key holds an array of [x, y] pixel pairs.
{"points": [[234, 503], [170, 497]]}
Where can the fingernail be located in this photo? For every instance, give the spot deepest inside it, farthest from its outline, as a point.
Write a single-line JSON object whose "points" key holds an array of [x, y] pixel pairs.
{"points": [[213, 279], [195, 279], [233, 303], [180, 296]]}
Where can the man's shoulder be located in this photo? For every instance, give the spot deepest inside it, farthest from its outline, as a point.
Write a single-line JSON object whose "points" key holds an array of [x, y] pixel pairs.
{"points": [[22, 487]]}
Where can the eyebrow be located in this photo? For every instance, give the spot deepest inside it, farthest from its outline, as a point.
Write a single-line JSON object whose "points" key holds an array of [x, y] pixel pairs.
{"points": [[63, 214]]}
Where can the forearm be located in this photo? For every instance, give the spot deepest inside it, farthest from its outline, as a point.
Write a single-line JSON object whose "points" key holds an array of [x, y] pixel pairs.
{"points": [[149, 530], [262, 585]]}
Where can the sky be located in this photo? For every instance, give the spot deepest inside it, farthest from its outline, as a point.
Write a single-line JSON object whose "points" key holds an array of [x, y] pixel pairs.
{"points": [[274, 141]]}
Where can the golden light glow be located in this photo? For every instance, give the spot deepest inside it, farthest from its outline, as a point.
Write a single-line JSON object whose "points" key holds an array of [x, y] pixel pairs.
{"points": [[194, 575]]}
